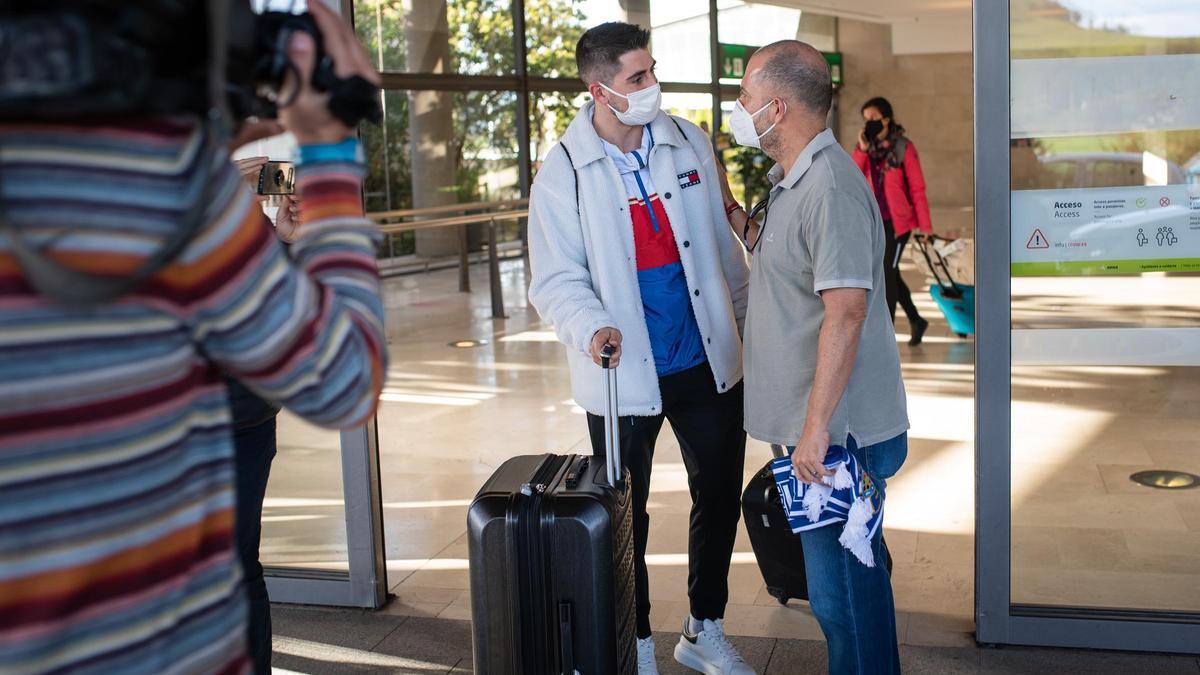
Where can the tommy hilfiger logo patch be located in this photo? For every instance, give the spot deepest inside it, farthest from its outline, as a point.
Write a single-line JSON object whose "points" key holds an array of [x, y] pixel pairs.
{"points": [[689, 178]]}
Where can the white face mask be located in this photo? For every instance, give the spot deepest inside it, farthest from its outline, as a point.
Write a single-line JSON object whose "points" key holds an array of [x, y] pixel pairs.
{"points": [[742, 124], [643, 105]]}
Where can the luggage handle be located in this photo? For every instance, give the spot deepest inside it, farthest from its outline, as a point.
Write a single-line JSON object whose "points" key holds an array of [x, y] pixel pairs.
{"points": [[612, 422], [950, 289]]}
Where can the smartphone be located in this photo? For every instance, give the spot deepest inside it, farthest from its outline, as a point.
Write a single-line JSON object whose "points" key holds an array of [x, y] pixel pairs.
{"points": [[277, 178]]}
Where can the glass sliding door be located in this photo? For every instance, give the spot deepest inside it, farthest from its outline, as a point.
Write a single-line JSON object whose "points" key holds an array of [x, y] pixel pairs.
{"points": [[322, 525], [1089, 374]]}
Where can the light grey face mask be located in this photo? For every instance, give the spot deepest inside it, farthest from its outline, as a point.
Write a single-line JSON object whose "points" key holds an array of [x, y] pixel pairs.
{"points": [[643, 105]]}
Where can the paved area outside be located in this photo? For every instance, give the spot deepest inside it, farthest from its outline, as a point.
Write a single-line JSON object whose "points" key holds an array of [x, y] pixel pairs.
{"points": [[335, 642]]}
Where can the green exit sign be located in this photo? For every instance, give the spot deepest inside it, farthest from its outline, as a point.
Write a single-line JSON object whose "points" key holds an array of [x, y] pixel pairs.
{"points": [[735, 57]]}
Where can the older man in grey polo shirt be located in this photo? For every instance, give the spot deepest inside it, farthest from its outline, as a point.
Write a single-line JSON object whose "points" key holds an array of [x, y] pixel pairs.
{"points": [[821, 363]]}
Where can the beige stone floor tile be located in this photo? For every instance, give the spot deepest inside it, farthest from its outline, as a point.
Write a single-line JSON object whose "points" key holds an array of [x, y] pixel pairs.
{"points": [[1035, 546], [460, 609], [1168, 552], [1190, 516], [938, 630], [934, 588], [794, 621], [1093, 549], [668, 615], [1098, 510], [1175, 455], [439, 578], [1098, 588], [417, 601], [902, 544], [934, 547]]}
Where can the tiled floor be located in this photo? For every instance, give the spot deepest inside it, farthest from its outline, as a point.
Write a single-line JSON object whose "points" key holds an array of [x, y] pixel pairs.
{"points": [[1083, 534], [337, 642]]}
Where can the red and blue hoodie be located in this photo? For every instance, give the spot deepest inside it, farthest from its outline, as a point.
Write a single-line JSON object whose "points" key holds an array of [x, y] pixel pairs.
{"points": [[674, 334]]}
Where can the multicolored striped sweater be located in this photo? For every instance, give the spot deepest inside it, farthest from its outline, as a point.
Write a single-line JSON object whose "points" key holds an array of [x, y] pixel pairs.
{"points": [[116, 473]]}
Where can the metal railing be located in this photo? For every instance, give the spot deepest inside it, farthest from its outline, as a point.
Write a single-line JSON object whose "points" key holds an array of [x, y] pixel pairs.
{"points": [[490, 213]]}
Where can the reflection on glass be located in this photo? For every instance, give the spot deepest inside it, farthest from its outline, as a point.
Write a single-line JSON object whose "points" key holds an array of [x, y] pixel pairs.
{"points": [[436, 148], [1105, 138], [1083, 533], [550, 115], [1104, 147], [431, 36], [678, 28], [304, 518], [553, 112]]}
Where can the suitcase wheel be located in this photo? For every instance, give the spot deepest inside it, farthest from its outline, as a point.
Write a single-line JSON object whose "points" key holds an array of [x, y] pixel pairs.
{"points": [[962, 335]]}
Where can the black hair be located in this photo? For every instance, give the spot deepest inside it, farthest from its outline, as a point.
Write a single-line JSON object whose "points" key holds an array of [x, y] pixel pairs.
{"points": [[598, 52], [885, 109]]}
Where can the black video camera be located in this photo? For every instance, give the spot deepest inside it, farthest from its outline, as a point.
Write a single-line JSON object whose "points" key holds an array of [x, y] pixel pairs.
{"points": [[80, 58]]}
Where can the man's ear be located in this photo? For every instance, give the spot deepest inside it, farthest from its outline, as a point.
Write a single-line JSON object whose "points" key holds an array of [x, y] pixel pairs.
{"points": [[597, 93]]}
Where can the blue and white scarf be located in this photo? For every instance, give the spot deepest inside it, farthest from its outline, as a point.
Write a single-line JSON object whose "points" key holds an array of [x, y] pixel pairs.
{"points": [[849, 496]]}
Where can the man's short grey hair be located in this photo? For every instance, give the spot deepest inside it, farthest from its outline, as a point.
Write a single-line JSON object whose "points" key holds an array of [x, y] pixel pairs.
{"points": [[792, 71]]}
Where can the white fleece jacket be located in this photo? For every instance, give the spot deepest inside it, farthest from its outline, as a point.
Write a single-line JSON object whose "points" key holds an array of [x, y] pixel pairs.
{"points": [[585, 271]]}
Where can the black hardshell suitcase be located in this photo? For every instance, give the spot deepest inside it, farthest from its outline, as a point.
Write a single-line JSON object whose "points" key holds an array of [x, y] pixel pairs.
{"points": [[551, 564], [778, 550]]}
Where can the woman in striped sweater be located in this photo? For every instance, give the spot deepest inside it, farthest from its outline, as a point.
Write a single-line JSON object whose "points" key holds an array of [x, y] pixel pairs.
{"points": [[116, 468]]}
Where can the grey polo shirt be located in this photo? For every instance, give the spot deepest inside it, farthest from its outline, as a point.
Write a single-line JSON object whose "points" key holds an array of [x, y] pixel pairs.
{"points": [[822, 230]]}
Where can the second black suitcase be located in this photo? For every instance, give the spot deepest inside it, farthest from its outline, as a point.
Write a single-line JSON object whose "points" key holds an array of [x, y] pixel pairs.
{"points": [[551, 564], [778, 550]]}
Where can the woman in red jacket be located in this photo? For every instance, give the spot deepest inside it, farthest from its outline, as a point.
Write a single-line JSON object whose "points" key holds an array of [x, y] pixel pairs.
{"points": [[890, 162]]}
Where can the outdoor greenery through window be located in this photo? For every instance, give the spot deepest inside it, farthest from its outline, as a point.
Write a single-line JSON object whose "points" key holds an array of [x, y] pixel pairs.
{"points": [[453, 131]]}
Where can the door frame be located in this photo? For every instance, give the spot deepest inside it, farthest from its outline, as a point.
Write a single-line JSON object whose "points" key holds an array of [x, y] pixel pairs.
{"points": [[997, 619]]}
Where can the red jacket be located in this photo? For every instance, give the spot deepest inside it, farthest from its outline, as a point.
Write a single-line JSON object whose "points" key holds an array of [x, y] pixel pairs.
{"points": [[904, 187]]}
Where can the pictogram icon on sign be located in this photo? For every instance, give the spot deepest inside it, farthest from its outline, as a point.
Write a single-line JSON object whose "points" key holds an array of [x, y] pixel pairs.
{"points": [[1038, 240], [1164, 202]]}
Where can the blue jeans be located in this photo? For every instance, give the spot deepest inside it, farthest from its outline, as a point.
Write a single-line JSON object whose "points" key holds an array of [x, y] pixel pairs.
{"points": [[853, 602]]}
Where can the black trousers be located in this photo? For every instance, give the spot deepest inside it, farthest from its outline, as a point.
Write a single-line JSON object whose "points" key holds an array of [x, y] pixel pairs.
{"points": [[254, 448], [894, 282], [708, 426]]}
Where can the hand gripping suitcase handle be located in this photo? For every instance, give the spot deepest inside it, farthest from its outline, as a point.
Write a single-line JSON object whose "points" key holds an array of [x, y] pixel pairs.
{"points": [[612, 429]]}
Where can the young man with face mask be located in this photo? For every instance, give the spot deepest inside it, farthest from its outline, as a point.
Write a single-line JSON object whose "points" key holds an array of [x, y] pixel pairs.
{"points": [[630, 247], [822, 367]]}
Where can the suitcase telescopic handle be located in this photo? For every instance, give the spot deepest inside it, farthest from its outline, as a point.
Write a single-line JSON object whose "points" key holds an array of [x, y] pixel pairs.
{"points": [[612, 433], [949, 287]]}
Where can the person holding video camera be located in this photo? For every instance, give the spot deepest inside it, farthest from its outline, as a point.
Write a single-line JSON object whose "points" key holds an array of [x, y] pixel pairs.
{"points": [[117, 507]]}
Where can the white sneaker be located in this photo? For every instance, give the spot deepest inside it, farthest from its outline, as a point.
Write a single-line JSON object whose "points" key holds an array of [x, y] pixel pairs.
{"points": [[646, 663], [709, 651]]}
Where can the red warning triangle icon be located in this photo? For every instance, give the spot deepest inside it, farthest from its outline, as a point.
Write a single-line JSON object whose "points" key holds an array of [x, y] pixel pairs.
{"points": [[1038, 240]]}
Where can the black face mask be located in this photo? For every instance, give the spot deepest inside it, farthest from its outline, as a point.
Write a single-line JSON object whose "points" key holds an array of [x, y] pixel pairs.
{"points": [[872, 130]]}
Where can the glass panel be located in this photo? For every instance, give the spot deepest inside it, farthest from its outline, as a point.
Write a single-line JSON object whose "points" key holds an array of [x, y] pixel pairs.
{"points": [[304, 517], [551, 113], [438, 148], [466, 37], [756, 24], [303, 522], [677, 28], [1084, 534], [1101, 148]]}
